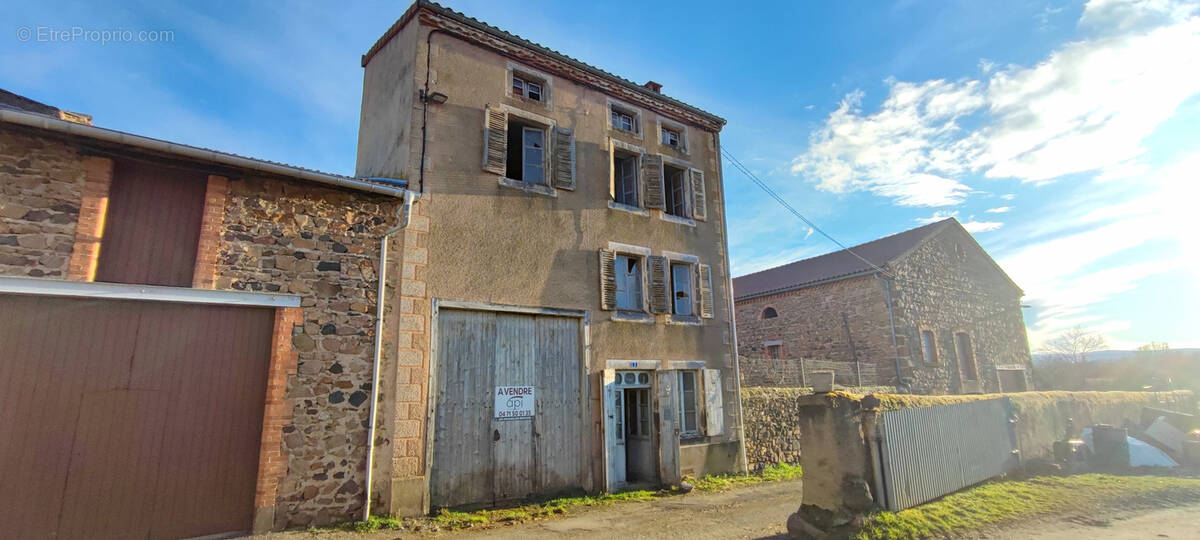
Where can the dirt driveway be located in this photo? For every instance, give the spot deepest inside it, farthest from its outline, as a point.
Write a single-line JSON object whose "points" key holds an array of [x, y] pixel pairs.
{"points": [[757, 511], [1169, 523]]}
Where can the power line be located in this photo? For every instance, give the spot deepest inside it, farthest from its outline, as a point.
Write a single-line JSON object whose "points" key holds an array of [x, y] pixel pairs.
{"points": [[778, 198]]}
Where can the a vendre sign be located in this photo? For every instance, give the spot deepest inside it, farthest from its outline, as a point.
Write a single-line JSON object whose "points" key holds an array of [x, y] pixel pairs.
{"points": [[513, 402]]}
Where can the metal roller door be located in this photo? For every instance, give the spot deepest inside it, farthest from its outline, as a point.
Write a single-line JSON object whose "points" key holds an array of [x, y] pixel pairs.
{"points": [[129, 419], [479, 459]]}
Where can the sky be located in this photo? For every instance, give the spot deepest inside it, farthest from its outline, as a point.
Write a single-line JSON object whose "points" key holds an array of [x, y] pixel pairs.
{"points": [[1064, 135]]}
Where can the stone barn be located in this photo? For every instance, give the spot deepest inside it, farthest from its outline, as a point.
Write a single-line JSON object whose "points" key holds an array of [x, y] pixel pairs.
{"points": [[931, 313]]}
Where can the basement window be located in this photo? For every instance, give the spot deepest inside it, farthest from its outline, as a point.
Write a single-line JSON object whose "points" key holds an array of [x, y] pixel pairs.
{"points": [[526, 152]]}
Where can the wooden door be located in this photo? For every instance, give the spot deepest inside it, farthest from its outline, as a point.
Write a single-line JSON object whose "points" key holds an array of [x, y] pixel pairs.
{"points": [[129, 419], [668, 427], [479, 459]]}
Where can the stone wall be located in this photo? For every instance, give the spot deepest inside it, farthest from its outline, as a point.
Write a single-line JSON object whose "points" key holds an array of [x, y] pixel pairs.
{"points": [[322, 244], [810, 325], [938, 289], [771, 428], [41, 185], [796, 372]]}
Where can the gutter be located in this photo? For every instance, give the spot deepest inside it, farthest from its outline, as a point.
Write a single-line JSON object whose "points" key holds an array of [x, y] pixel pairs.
{"points": [[46, 123], [409, 198]]}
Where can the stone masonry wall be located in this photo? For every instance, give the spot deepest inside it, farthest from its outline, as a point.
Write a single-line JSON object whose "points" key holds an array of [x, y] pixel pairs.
{"points": [[771, 426], [41, 185], [322, 244], [940, 290], [797, 372], [810, 326]]}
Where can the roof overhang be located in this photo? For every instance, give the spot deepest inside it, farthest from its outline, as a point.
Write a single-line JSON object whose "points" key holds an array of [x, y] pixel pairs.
{"points": [[193, 153]]}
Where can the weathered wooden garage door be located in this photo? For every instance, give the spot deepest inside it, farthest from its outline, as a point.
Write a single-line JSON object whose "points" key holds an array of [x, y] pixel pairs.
{"points": [[129, 419], [480, 460]]}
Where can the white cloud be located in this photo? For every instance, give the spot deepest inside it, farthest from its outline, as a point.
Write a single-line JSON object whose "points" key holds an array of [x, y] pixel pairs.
{"points": [[936, 217], [1086, 107], [981, 226], [999, 210]]}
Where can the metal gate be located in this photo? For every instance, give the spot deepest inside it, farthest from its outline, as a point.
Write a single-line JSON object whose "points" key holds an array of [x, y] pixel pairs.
{"points": [[129, 419], [482, 460], [929, 452]]}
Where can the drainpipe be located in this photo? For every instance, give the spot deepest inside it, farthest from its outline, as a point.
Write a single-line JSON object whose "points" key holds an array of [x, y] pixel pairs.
{"points": [[737, 371], [887, 293], [409, 198]]}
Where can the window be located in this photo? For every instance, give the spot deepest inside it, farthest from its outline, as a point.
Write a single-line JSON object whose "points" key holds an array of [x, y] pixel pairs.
{"points": [[769, 313], [929, 347], [624, 119], [526, 153], [676, 191], [625, 178], [966, 356], [774, 351], [526, 87], [689, 417], [629, 283], [681, 289], [672, 138]]}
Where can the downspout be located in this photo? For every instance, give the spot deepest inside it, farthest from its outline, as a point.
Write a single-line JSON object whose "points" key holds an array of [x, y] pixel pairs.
{"points": [[887, 293], [406, 209], [737, 371]]}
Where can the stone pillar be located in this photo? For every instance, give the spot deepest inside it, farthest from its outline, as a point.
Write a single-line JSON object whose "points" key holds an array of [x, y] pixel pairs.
{"points": [[837, 465]]}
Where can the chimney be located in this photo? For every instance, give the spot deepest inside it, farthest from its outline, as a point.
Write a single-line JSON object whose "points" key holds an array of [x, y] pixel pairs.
{"points": [[653, 86]]}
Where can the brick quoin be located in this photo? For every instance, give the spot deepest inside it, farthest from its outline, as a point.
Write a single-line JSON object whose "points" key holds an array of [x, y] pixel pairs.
{"points": [[277, 413], [211, 221], [89, 228]]}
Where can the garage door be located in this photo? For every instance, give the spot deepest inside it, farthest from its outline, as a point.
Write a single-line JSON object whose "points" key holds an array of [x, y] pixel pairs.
{"points": [[129, 419], [479, 459]]}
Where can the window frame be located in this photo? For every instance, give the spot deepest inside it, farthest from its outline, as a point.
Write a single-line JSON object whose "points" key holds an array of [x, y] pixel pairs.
{"points": [[623, 277], [697, 404], [679, 130], [515, 71], [693, 264], [526, 119], [763, 314], [634, 114], [619, 178], [689, 285], [931, 349], [616, 146], [680, 176], [970, 353]]}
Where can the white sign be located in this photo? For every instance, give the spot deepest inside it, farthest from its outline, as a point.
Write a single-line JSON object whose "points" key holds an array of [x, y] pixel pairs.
{"points": [[514, 402]]}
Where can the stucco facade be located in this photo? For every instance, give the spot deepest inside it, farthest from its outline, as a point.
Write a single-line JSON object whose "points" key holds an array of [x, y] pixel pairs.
{"points": [[944, 284], [487, 242]]}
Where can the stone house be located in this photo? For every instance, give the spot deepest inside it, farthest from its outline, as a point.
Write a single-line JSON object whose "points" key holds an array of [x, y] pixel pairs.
{"points": [[524, 290], [572, 244], [184, 326], [931, 313]]}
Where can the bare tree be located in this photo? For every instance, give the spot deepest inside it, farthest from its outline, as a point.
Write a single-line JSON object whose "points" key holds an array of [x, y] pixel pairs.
{"points": [[1073, 346], [1154, 346]]}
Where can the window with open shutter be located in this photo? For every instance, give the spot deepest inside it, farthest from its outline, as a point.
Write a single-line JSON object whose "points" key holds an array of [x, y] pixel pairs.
{"points": [[564, 158], [699, 201], [608, 280], [658, 284], [652, 173], [714, 406], [495, 140], [704, 276]]}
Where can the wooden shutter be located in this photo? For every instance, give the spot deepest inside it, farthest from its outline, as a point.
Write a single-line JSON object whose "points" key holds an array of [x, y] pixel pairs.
{"points": [[659, 296], [652, 175], [704, 276], [608, 279], [714, 407], [699, 200], [495, 140], [564, 158], [668, 427]]}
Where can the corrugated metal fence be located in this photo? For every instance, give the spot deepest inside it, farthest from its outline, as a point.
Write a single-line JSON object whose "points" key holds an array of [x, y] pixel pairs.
{"points": [[925, 453]]}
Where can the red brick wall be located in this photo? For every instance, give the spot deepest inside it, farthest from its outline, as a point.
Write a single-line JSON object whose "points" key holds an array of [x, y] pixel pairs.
{"points": [[213, 217]]}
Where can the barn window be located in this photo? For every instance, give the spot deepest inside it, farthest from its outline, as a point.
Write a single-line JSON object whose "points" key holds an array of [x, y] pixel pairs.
{"points": [[774, 351], [152, 226], [929, 347], [769, 313], [966, 356]]}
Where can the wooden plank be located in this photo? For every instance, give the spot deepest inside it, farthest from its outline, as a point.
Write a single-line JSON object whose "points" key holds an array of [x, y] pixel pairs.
{"points": [[512, 449], [668, 427], [559, 421]]}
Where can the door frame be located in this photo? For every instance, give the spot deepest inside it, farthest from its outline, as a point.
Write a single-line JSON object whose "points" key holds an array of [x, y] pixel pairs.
{"points": [[585, 347]]}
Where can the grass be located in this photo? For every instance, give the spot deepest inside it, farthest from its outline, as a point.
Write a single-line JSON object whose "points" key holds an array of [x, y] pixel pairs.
{"points": [[772, 473], [1006, 502], [452, 520]]}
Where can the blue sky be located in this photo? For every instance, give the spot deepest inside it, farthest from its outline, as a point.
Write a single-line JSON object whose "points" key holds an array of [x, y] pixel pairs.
{"points": [[1063, 134]]}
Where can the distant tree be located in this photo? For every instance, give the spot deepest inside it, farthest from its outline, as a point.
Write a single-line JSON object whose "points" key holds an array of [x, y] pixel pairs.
{"points": [[1073, 346], [1153, 346]]}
